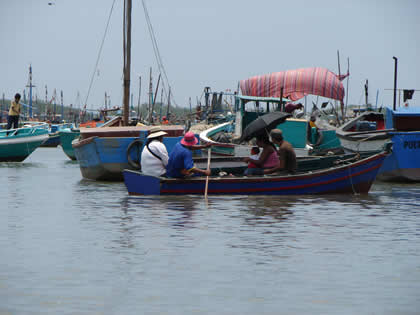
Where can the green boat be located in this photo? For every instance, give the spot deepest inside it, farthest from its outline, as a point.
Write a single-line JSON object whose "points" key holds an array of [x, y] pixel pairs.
{"points": [[67, 136], [17, 144], [295, 130]]}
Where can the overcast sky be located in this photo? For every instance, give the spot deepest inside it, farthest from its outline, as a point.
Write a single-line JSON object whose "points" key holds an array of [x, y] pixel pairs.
{"points": [[212, 43]]}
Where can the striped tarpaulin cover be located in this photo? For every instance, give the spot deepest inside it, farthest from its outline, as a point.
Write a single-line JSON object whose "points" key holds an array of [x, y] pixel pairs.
{"points": [[296, 84]]}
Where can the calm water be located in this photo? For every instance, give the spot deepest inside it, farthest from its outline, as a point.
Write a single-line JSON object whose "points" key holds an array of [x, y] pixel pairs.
{"points": [[70, 246]]}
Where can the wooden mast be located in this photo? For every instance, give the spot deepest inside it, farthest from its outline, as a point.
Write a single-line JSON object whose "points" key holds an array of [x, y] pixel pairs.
{"points": [[127, 59]]}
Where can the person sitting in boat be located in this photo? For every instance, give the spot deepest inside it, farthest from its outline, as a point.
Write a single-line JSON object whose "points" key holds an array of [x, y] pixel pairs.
{"points": [[268, 159], [154, 157], [255, 155], [287, 155], [180, 162]]}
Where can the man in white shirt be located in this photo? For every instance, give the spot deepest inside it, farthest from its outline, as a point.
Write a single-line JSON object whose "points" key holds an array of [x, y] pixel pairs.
{"points": [[154, 157]]}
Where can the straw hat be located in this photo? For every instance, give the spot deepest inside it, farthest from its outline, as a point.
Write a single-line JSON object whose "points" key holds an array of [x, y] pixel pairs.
{"points": [[156, 132], [189, 139]]}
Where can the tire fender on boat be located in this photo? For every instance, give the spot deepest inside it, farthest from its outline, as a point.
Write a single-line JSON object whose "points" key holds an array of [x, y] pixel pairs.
{"points": [[135, 143]]}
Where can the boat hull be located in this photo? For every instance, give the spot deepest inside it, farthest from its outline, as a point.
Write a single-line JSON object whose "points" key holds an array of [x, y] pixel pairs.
{"points": [[18, 148], [356, 145], [102, 152], [66, 138], [404, 163], [104, 158], [353, 178], [53, 140]]}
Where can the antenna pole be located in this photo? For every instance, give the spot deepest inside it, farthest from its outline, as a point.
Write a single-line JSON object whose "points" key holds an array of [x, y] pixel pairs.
{"points": [[395, 82], [62, 105], [138, 104]]}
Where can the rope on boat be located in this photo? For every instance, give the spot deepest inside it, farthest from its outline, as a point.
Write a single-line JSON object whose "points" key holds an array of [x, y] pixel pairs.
{"points": [[351, 180], [99, 53]]}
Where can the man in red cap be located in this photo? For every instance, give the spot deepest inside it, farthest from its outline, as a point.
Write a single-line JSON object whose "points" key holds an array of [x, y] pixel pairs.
{"points": [[180, 162]]}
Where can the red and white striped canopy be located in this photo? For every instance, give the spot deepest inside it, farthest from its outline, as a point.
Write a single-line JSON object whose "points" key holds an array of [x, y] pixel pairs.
{"points": [[296, 84]]}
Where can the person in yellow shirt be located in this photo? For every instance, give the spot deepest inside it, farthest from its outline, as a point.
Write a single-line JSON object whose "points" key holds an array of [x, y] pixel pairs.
{"points": [[14, 112]]}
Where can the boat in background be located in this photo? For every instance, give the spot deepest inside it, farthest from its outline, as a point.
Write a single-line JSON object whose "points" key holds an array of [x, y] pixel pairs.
{"points": [[354, 177], [104, 152], [67, 135], [54, 134], [225, 137], [403, 127], [17, 144], [365, 132], [371, 130]]}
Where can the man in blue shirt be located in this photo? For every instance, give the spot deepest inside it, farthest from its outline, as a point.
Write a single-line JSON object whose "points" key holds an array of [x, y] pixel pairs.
{"points": [[180, 162]]}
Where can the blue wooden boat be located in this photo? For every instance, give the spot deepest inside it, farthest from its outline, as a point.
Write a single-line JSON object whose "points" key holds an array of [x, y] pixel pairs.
{"points": [[103, 153], [17, 144], [54, 135], [372, 129], [404, 132], [353, 178]]}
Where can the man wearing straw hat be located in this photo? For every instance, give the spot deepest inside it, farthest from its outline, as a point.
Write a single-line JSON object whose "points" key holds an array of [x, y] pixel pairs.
{"points": [[154, 157], [180, 162]]}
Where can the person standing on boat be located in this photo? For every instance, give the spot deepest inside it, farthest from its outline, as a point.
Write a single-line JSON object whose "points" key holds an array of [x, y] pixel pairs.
{"points": [[293, 109], [154, 157], [268, 158], [14, 112], [181, 162], [287, 155]]}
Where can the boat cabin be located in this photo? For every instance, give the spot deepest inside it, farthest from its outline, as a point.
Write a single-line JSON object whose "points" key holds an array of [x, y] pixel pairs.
{"points": [[403, 119], [295, 130]]}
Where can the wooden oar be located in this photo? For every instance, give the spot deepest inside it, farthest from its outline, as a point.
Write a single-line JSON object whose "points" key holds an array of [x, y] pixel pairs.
{"points": [[207, 178]]}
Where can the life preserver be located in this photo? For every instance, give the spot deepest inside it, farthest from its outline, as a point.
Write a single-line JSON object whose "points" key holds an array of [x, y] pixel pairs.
{"points": [[139, 144]]}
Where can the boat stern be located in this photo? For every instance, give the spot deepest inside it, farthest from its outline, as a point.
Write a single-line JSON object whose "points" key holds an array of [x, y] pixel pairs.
{"points": [[139, 184]]}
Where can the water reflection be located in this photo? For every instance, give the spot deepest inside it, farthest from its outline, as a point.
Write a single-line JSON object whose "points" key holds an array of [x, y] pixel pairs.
{"points": [[71, 163], [268, 209], [178, 211], [21, 165]]}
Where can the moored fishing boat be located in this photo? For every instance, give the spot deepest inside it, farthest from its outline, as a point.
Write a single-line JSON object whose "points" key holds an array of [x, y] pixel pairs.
{"points": [[267, 93], [351, 177], [67, 136], [104, 152], [17, 144], [54, 135], [365, 132], [372, 129], [404, 132]]}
